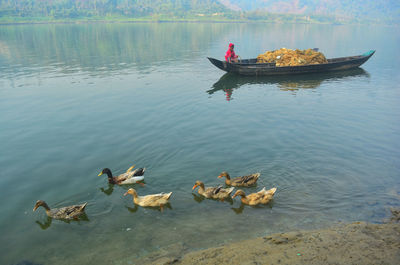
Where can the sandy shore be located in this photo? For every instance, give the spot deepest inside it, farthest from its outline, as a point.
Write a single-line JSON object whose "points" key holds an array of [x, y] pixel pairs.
{"points": [[355, 243]]}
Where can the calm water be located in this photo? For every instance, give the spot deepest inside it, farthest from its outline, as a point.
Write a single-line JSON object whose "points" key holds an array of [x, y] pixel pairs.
{"points": [[77, 98]]}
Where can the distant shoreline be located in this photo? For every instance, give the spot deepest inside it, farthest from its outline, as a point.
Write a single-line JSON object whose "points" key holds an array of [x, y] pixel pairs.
{"points": [[150, 21], [33, 21]]}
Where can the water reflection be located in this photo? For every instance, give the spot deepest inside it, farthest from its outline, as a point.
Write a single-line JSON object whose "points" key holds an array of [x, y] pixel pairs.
{"points": [[100, 49], [27, 262], [47, 223], [136, 208], [240, 209], [230, 82], [109, 190], [199, 199], [132, 209]]}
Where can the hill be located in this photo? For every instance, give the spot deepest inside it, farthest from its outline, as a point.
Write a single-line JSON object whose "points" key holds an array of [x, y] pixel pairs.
{"points": [[383, 9], [387, 11]]}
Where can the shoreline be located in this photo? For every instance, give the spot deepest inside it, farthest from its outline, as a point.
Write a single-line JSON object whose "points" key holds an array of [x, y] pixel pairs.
{"points": [[354, 243], [34, 21]]}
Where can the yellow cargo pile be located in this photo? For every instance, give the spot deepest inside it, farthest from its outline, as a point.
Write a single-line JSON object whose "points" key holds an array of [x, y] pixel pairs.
{"points": [[288, 57]]}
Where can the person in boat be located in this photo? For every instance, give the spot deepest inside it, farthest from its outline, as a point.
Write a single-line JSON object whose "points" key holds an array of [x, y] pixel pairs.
{"points": [[230, 55]]}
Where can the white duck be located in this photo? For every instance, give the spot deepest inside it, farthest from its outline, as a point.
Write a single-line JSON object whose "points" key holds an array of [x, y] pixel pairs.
{"points": [[152, 200]]}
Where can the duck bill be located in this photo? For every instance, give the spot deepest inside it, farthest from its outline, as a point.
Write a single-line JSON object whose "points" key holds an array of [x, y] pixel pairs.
{"points": [[101, 173], [195, 186], [126, 193], [233, 197], [34, 208], [219, 176]]}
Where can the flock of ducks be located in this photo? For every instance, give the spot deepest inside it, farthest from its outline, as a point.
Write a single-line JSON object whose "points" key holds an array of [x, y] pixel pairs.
{"points": [[159, 200]]}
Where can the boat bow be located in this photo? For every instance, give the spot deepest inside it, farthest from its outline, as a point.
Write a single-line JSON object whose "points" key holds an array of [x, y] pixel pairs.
{"points": [[217, 63]]}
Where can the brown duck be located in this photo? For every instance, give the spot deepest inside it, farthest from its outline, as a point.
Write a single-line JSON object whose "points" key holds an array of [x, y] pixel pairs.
{"points": [[68, 212], [262, 197], [244, 181], [213, 192]]}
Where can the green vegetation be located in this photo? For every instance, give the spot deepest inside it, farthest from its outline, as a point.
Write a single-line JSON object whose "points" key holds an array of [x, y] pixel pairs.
{"points": [[42, 11]]}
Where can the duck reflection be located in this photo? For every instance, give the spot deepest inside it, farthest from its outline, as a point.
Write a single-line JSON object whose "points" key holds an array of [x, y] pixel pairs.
{"points": [[136, 208], [132, 209], [199, 199], [109, 190], [47, 223], [27, 262], [240, 209], [230, 82]]}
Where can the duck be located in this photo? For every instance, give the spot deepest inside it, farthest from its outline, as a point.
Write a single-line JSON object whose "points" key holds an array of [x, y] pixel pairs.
{"points": [[152, 200], [244, 181], [68, 212], [213, 192], [129, 177], [262, 197]]}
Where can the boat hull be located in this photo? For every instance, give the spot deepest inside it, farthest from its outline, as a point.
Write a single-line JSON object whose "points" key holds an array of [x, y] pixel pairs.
{"points": [[249, 67]]}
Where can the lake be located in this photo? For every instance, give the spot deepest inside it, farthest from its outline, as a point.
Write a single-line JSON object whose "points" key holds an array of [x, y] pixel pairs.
{"points": [[76, 98]]}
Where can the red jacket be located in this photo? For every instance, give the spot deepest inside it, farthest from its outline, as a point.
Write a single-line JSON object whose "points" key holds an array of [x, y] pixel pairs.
{"points": [[230, 54]]}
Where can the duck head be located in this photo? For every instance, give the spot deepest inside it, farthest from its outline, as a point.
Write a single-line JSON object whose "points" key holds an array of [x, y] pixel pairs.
{"points": [[198, 184], [224, 174], [41, 203], [132, 192], [239, 193], [106, 171]]}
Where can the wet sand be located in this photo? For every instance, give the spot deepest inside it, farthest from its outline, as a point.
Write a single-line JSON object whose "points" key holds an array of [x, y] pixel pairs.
{"points": [[355, 243]]}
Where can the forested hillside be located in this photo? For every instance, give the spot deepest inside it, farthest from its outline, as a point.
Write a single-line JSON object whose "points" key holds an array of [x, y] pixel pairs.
{"points": [[357, 8], [271, 10], [77, 8]]}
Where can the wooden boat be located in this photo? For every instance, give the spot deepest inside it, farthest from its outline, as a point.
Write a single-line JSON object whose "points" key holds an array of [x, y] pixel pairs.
{"points": [[251, 67]]}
